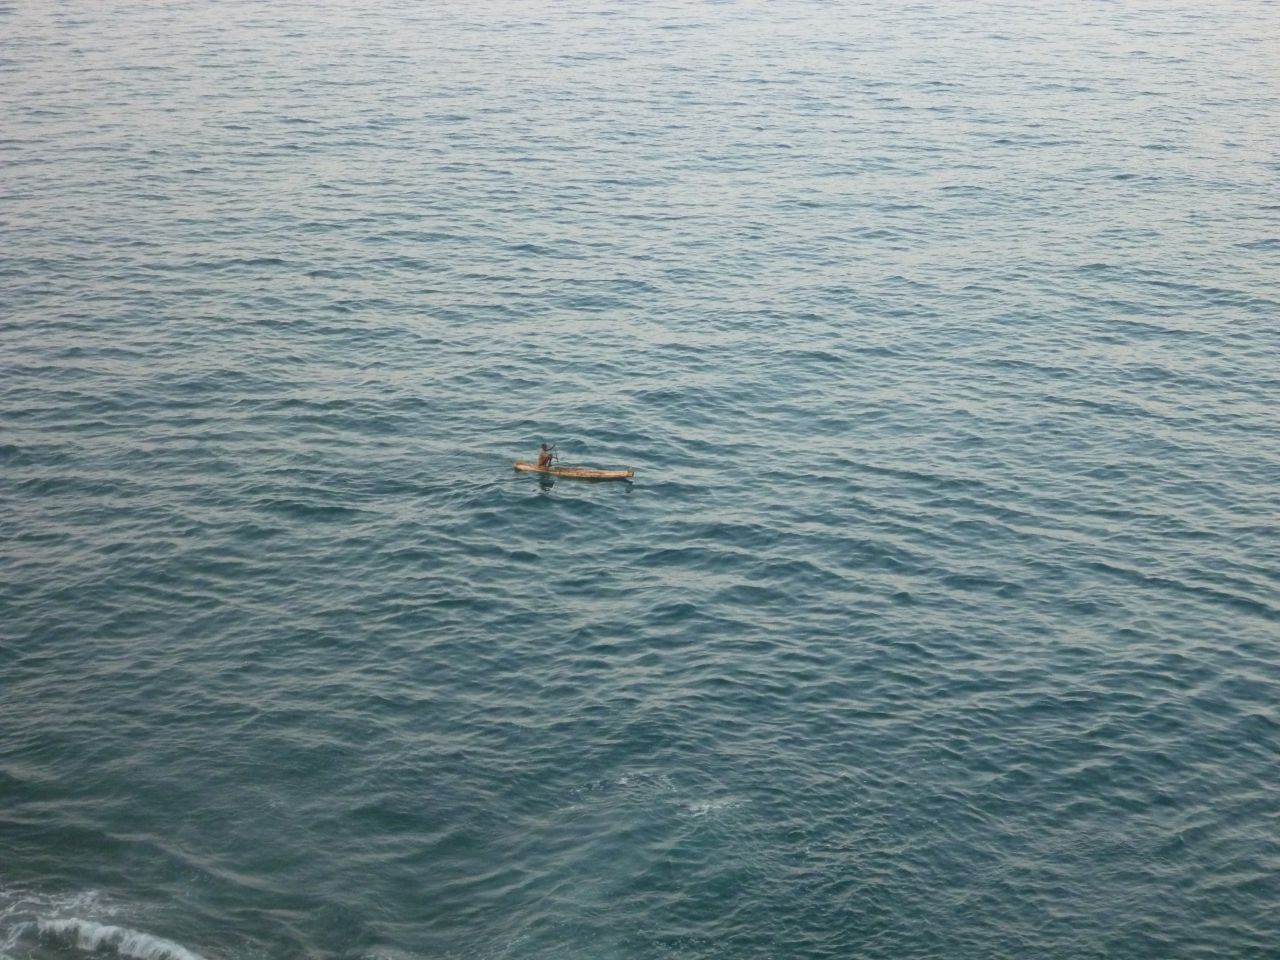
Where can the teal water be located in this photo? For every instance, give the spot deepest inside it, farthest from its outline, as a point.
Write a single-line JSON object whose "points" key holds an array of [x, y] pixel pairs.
{"points": [[941, 619]]}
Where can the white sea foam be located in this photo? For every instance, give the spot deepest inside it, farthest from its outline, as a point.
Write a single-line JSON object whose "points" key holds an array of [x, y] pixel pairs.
{"points": [[20, 908], [9, 937], [103, 938], [702, 808]]}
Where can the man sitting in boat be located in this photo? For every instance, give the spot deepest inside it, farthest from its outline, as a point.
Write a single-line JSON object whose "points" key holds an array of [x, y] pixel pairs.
{"points": [[544, 456]]}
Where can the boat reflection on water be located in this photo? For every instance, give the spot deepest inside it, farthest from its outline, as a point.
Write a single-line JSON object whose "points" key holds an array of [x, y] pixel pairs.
{"points": [[546, 482]]}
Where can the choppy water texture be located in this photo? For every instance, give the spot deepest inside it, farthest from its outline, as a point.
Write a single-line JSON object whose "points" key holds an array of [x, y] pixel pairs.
{"points": [[940, 621]]}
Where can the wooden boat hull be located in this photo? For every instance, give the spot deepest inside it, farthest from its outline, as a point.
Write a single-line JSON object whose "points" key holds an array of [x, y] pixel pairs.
{"points": [[576, 473]]}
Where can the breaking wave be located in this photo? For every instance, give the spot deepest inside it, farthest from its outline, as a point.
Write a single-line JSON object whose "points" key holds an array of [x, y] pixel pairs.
{"points": [[104, 939]]}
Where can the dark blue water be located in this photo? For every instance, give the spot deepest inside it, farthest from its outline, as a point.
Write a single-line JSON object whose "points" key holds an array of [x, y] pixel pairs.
{"points": [[941, 619]]}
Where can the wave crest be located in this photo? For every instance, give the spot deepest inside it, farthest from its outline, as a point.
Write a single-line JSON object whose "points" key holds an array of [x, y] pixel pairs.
{"points": [[105, 939]]}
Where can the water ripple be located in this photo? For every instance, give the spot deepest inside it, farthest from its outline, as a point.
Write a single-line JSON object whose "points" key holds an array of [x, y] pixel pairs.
{"points": [[939, 619]]}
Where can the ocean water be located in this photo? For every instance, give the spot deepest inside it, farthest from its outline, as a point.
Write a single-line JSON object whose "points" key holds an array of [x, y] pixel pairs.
{"points": [[942, 617]]}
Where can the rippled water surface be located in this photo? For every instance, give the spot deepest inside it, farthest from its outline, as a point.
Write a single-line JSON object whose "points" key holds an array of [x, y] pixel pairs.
{"points": [[941, 617]]}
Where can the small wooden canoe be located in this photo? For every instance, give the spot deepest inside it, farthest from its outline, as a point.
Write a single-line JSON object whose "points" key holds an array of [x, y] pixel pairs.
{"points": [[576, 473]]}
